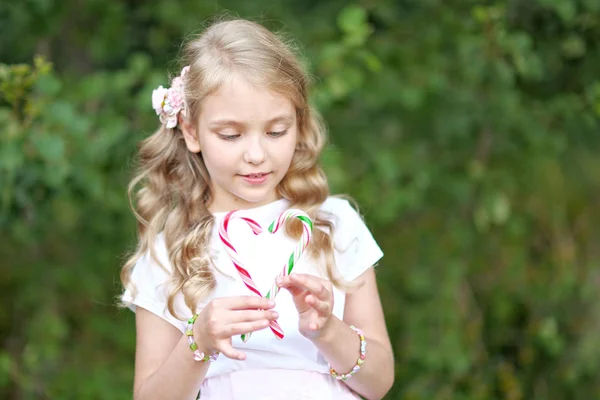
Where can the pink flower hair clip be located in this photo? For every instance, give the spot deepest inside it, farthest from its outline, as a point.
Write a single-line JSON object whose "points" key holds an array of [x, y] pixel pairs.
{"points": [[168, 103]]}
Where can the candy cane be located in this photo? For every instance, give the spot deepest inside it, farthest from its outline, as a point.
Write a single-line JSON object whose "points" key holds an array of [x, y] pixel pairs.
{"points": [[244, 274], [302, 244], [287, 269]]}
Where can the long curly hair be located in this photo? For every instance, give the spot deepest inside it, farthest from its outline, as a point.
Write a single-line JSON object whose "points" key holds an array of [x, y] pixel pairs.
{"points": [[171, 190]]}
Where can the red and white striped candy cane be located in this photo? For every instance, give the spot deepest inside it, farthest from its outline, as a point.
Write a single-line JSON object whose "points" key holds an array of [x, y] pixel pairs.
{"points": [[244, 274], [307, 226], [287, 268]]}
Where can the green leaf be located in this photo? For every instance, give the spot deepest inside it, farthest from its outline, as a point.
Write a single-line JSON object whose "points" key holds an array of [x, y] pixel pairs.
{"points": [[5, 368], [573, 46], [500, 211], [352, 18], [49, 85], [411, 97], [50, 147]]}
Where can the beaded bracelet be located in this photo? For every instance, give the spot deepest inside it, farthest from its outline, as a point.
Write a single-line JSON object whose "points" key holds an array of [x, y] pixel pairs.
{"points": [[198, 355], [359, 361]]}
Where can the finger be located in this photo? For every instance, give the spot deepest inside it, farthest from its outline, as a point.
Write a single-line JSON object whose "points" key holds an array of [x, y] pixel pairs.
{"points": [[308, 282], [244, 303], [250, 315], [229, 351], [245, 327], [321, 306], [295, 290], [298, 296]]}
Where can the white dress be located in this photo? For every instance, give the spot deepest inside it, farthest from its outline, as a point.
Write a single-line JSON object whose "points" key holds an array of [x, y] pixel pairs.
{"points": [[291, 368]]}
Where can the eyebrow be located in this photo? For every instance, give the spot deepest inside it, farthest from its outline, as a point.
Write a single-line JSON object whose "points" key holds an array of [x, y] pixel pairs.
{"points": [[230, 122]]}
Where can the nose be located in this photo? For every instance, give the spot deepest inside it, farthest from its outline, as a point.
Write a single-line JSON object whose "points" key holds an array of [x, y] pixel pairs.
{"points": [[256, 152]]}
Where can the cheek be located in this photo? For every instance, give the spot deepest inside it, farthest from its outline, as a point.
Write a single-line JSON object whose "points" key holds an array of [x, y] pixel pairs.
{"points": [[218, 161], [290, 148]]}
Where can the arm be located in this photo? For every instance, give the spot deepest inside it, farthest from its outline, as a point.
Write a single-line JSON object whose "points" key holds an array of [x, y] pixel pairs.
{"points": [[333, 337], [340, 345], [164, 366]]}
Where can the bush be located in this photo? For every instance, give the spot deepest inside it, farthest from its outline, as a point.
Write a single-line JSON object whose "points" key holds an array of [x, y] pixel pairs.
{"points": [[468, 132]]}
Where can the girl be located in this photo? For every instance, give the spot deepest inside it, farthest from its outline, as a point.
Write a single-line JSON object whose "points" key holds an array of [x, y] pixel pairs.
{"points": [[237, 133]]}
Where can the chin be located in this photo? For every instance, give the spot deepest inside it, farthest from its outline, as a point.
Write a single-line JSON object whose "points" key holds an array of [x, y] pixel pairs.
{"points": [[255, 197]]}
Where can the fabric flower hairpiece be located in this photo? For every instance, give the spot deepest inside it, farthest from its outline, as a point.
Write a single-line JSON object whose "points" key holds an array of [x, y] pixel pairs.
{"points": [[168, 103]]}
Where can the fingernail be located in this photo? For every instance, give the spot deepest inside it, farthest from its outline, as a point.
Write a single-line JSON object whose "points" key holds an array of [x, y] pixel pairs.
{"points": [[271, 303], [275, 314], [279, 280]]}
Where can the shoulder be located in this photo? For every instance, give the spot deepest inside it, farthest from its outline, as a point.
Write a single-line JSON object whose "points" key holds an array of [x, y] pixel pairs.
{"points": [[157, 254], [149, 285], [347, 222], [153, 268], [337, 209], [356, 249]]}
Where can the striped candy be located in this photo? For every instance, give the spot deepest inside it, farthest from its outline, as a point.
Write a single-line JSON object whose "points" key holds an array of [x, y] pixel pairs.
{"points": [[287, 268]]}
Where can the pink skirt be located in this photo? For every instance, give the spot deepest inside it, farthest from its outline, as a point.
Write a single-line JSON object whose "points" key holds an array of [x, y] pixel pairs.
{"points": [[271, 384]]}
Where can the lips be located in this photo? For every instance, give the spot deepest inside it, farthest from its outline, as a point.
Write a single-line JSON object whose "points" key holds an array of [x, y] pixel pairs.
{"points": [[256, 178]]}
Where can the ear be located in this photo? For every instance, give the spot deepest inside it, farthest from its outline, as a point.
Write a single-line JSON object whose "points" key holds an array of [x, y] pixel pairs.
{"points": [[190, 135]]}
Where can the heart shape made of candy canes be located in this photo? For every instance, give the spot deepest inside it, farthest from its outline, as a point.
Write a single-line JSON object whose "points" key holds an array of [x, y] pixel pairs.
{"points": [[307, 226]]}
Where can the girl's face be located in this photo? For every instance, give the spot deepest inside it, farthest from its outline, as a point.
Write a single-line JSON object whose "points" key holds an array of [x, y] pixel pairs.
{"points": [[247, 137]]}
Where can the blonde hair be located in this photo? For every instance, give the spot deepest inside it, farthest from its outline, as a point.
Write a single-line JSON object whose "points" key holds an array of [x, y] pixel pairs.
{"points": [[171, 187]]}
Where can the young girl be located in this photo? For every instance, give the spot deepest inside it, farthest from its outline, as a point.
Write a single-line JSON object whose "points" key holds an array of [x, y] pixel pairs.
{"points": [[237, 133]]}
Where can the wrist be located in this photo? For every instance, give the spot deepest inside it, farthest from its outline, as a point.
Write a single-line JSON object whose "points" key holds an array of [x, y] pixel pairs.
{"points": [[198, 336], [359, 361], [199, 350], [327, 333]]}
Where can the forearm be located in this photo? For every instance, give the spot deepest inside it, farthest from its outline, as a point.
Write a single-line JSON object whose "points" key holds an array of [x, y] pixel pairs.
{"points": [[340, 346], [179, 377]]}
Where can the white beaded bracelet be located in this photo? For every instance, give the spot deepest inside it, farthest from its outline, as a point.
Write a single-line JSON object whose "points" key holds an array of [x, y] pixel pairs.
{"points": [[359, 361], [198, 355]]}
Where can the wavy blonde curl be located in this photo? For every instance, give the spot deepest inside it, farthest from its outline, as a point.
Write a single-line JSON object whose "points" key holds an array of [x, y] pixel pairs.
{"points": [[171, 187]]}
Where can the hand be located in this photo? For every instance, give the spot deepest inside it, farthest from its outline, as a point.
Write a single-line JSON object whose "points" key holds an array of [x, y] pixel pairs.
{"points": [[225, 317], [313, 298]]}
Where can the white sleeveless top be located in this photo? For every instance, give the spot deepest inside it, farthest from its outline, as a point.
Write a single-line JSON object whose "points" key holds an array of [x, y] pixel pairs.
{"points": [[263, 256]]}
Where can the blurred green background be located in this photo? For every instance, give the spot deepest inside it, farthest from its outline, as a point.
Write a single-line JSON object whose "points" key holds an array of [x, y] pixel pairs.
{"points": [[468, 131]]}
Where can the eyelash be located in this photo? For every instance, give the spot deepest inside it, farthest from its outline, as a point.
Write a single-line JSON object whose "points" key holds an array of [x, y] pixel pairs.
{"points": [[229, 137], [277, 134], [234, 137]]}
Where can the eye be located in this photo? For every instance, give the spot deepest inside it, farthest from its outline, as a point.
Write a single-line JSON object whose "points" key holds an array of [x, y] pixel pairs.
{"points": [[277, 134], [229, 137]]}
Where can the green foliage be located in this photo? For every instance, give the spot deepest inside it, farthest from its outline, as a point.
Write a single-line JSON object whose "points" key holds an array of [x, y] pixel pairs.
{"points": [[467, 130]]}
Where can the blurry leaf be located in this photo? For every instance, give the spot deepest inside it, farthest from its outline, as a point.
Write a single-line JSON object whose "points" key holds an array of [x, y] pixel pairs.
{"points": [[371, 61], [573, 46], [5, 368], [61, 113], [50, 147], [500, 208], [11, 157], [482, 219], [411, 97], [480, 13], [337, 85], [592, 5], [139, 63], [352, 18], [55, 175], [331, 56], [549, 336], [49, 85], [353, 77]]}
